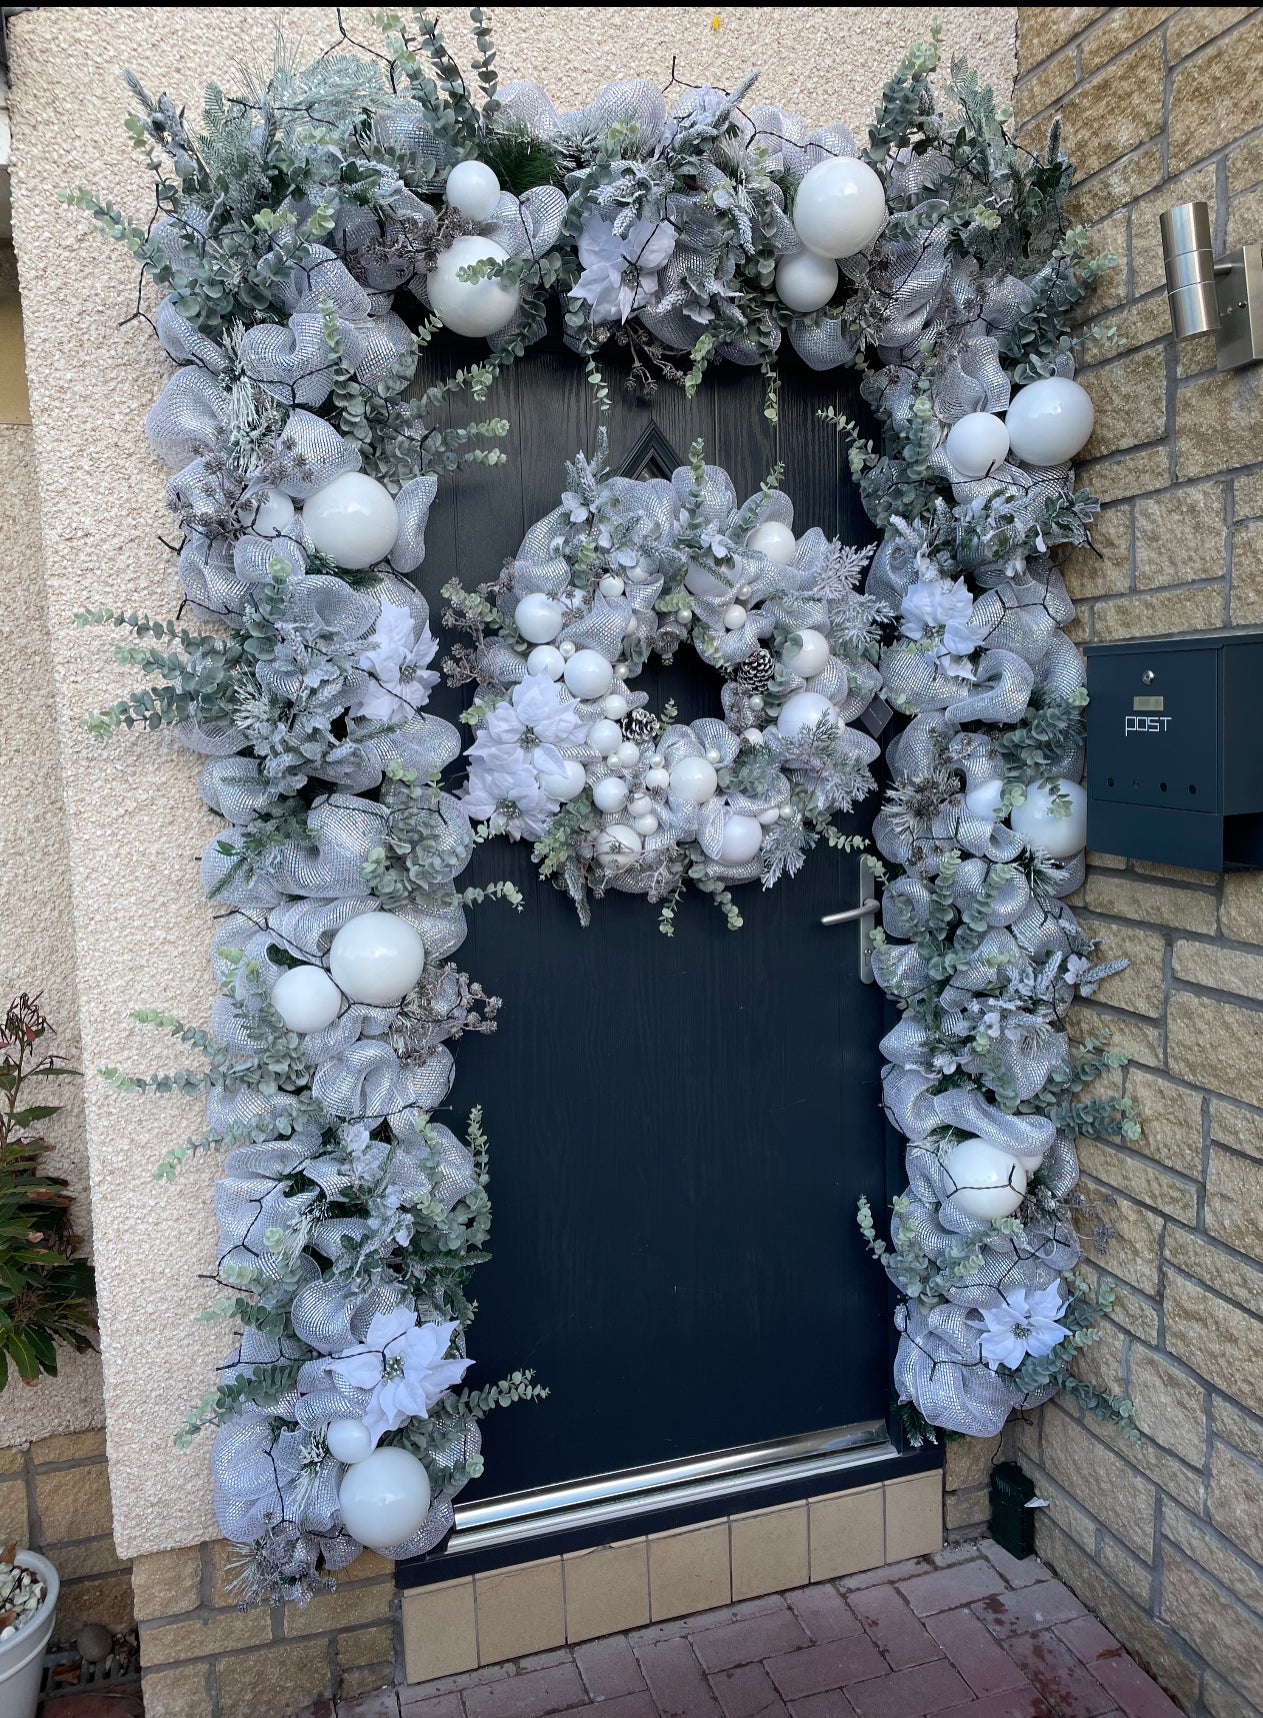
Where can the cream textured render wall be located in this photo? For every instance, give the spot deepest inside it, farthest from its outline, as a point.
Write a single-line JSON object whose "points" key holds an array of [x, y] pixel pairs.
{"points": [[135, 824]]}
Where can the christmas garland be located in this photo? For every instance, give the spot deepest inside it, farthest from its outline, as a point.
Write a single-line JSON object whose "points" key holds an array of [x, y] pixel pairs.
{"points": [[936, 260]]}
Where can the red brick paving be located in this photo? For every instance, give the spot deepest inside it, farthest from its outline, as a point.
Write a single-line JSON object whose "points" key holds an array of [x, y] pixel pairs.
{"points": [[970, 1633]]}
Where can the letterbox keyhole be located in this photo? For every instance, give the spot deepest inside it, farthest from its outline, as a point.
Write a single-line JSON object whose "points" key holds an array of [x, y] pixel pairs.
{"points": [[1109, 781], [1163, 786], [1192, 787]]}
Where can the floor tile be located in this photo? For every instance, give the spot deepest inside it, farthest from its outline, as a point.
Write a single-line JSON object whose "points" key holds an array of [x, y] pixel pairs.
{"points": [[1063, 1680], [1017, 1571], [747, 1692], [889, 1622], [535, 1694], [823, 1612], [608, 1667], [676, 1680], [949, 1589], [750, 1639], [912, 1693], [983, 1663], [1032, 1608], [832, 1664]]}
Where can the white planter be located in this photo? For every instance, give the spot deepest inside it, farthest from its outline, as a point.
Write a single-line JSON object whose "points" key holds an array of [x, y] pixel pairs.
{"points": [[22, 1655]]}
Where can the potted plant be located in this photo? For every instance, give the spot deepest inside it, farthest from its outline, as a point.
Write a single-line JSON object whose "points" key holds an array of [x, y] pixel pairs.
{"points": [[28, 1606]]}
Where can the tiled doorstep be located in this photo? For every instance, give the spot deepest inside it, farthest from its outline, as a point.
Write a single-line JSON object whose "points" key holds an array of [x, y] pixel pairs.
{"points": [[962, 1631]]}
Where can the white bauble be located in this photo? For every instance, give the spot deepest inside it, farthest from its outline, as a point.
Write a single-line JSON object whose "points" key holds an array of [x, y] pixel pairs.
{"points": [[385, 1498], [471, 307], [987, 1182], [610, 794], [646, 824], [806, 282], [546, 659], [694, 779], [640, 805], [377, 958], [774, 540], [267, 513], [349, 1441], [1058, 837], [306, 998], [606, 736], [628, 754], [735, 616], [1049, 421], [699, 583], [840, 207], [741, 839], [657, 780], [473, 189], [538, 618], [770, 816], [567, 648], [588, 674], [352, 520], [803, 710], [977, 443], [615, 707], [806, 652], [565, 785], [984, 800], [612, 586], [618, 847]]}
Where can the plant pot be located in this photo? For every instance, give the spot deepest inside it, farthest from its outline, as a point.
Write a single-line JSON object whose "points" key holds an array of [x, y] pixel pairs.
{"points": [[22, 1655]]}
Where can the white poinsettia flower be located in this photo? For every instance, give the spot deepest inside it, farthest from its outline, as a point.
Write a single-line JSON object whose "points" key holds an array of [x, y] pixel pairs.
{"points": [[405, 1366], [620, 274], [397, 661], [933, 602], [503, 791], [1026, 1323]]}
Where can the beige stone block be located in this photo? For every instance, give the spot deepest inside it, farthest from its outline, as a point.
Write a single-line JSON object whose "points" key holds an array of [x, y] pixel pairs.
{"points": [[1214, 1338], [348, 1607], [200, 1637], [1203, 1547], [1140, 987], [1147, 265], [1130, 400], [1043, 87], [964, 1511], [1171, 1121], [1133, 1252], [73, 1503], [1247, 574], [1127, 897], [282, 1679], [366, 1646], [769, 1551], [439, 1633], [1133, 1576], [167, 1583], [847, 1532], [1139, 1040], [1226, 1635], [1198, 609], [90, 1557], [1245, 213], [14, 1525], [1137, 1313], [914, 1516], [1170, 1406], [1236, 1500], [607, 1589], [1180, 536], [1247, 497], [183, 1692], [1107, 296], [968, 1462], [1042, 30], [1241, 910], [1214, 98], [1245, 164], [12, 1461], [689, 1571], [1173, 1478], [1234, 1426], [1102, 1362], [1176, 873], [1116, 186], [1065, 1512], [1117, 33], [1141, 1181], [1217, 422], [520, 1610], [1194, 26], [1195, 356], [1221, 1701], [1238, 1128], [69, 1446], [1100, 1480], [106, 1600], [1136, 325], [1104, 568], [1214, 1044], [1234, 1189], [1203, 1257], [1117, 110], [1119, 479]]}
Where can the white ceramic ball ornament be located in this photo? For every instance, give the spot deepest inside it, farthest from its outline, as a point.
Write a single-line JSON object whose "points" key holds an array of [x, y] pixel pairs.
{"points": [[610, 794], [612, 586], [984, 800], [352, 520], [267, 513], [628, 754], [615, 706], [840, 207], [774, 540], [477, 307], [987, 1183], [806, 282], [645, 824], [977, 443], [741, 839], [566, 785], [606, 736], [473, 189], [699, 583], [803, 710], [588, 674], [385, 1498], [306, 999], [1049, 421], [349, 1441], [735, 616], [618, 847], [546, 659], [376, 958], [1035, 818], [694, 779], [657, 780], [806, 653], [538, 618]]}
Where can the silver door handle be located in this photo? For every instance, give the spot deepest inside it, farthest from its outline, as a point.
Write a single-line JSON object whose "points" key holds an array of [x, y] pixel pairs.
{"points": [[864, 915], [863, 911]]}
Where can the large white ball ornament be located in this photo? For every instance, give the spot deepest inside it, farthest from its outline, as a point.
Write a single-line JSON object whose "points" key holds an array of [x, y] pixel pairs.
{"points": [[806, 653], [473, 189], [694, 779], [610, 794], [1049, 421], [476, 307], [984, 800], [267, 513], [377, 958], [546, 659], [804, 710], [349, 1441], [606, 736], [699, 583], [566, 784], [977, 443], [987, 1183], [618, 847], [1035, 818], [615, 706], [840, 207], [657, 780], [588, 674], [806, 282], [741, 839], [385, 1498], [538, 618], [774, 540], [352, 520], [306, 999]]}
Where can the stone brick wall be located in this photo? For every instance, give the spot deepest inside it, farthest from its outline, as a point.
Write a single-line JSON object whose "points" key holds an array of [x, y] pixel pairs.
{"points": [[1164, 1538]]}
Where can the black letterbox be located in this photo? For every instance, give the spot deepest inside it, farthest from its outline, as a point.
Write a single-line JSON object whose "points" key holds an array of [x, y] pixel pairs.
{"points": [[1175, 750]]}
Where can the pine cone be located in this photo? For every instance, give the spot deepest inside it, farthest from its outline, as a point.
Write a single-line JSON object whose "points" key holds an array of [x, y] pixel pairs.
{"points": [[755, 673], [639, 727]]}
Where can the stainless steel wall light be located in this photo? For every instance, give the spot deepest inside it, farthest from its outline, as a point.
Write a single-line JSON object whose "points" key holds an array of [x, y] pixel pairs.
{"points": [[1209, 294]]}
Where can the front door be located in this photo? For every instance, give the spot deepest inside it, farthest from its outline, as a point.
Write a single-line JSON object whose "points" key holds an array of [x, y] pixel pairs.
{"points": [[680, 1128]]}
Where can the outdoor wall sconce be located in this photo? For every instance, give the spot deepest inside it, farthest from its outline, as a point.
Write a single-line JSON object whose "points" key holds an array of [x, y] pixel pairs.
{"points": [[1223, 296]]}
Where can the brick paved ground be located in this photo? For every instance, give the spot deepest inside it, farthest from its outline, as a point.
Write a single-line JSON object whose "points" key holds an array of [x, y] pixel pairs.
{"points": [[969, 1631]]}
